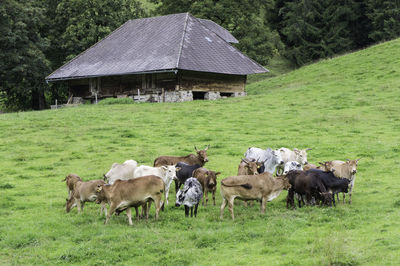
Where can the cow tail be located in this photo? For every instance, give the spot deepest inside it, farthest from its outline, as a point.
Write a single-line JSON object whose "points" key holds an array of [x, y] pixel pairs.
{"points": [[246, 185]]}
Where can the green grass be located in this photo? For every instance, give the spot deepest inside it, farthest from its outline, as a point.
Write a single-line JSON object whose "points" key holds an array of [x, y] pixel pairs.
{"points": [[346, 107]]}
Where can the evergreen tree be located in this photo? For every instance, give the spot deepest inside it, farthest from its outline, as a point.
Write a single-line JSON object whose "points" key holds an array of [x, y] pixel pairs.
{"points": [[22, 62], [313, 29], [242, 18], [385, 19]]}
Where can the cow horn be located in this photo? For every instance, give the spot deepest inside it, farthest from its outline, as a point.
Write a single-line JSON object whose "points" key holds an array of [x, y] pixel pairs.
{"points": [[195, 148], [244, 160], [104, 177], [208, 146], [308, 149]]}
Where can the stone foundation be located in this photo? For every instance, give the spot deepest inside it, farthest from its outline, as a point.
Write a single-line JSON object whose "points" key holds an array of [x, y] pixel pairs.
{"points": [[212, 95], [178, 96]]}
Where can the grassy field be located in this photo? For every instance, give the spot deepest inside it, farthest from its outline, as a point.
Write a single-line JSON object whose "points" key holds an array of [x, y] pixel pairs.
{"points": [[346, 107]]}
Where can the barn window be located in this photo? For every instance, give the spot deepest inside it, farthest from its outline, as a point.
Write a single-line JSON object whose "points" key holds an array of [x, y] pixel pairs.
{"points": [[198, 95]]}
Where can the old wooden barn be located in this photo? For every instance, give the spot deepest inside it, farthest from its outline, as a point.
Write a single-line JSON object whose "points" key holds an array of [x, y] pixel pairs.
{"points": [[163, 59]]}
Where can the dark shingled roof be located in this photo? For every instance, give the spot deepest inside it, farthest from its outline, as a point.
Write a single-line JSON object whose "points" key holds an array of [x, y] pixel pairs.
{"points": [[166, 43]]}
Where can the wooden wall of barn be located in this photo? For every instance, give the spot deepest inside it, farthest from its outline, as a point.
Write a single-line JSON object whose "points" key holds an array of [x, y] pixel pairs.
{"points": [[205, 82], [114, 86]]}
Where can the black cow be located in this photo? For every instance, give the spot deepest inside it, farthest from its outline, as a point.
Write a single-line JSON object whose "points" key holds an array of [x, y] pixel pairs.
{"points": [[331, 182], [308, 185], [183, 174]]}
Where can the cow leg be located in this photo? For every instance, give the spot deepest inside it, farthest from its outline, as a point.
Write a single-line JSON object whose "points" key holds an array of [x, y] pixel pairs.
{"points": [[351, 189], [263, 203], [176, 186], [129, 214], [186, 211], [191, 211], [213, 196], [344, 196], [111, 211], [290, 199], [245, 203], [79, 205], [166, 193], [333, 199], [230, 206], [223, 205], [157, 203], [148, 209], [206, 195], [103, 208], [195, 210]]}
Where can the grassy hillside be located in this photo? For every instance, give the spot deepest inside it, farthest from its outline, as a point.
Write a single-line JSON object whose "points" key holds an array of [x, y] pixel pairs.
{"points": [[347, 107]]}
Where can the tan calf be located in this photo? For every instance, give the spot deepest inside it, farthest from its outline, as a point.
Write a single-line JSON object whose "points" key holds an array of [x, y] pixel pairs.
{"points": [[208, 181], [247, 167], [343, 169], [262, 187], [124, 194], [70, 180], [84, 192]]}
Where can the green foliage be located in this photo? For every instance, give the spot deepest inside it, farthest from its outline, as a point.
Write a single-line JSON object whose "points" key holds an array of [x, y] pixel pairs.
{"points": [[346, 107], [23, 64], [242, 18], [385, 19], [315, 29]]}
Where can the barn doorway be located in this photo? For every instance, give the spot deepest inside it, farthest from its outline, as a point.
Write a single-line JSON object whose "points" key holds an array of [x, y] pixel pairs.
{"points": [[198, 95], [226, 94]]}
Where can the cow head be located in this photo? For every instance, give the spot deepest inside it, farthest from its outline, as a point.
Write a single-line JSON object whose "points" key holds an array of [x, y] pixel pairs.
{"points": [[101, 196], [211, 178], [252, 166], [301, 155], [169, 172], [285, 182], [202, 154], [292, 165], [276, 157], [326, 198], [352, 165], [69, 204], [180, 197]]}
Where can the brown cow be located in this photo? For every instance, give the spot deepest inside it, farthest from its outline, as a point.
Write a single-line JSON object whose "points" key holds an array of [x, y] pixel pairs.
{"points": [[208, 181], [191, 159], [71, 179], [124, 194], [262, 187], [247, 167], [342, 169], [84, 192]]}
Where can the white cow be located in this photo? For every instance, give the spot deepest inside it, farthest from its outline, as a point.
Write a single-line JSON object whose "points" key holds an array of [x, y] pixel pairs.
{"points": [[120, 171], [288, 155], [167, 174], [292, 165], [270, 158]]}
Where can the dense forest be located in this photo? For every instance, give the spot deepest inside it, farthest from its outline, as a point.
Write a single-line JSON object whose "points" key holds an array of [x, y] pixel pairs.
{"points": [[37, 37]]}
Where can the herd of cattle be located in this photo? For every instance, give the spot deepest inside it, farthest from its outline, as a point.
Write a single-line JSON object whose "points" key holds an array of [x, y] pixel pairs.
{"points": [[129, 185]]}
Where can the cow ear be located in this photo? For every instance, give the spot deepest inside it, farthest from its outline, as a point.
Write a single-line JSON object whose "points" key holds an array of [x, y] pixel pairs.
{"points": [[308, 149], [217, 173], [164, 167], [358, 160]]}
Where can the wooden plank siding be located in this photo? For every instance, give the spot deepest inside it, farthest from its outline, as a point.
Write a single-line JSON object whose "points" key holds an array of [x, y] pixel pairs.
{"points": [[199, 81], [112, 86]]}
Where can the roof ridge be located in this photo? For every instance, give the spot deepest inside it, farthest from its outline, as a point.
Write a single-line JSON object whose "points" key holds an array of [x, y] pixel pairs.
{"points": [[183, 40], [84, 51]]}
